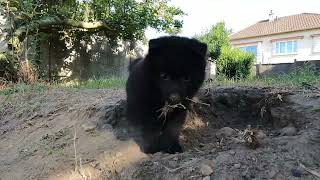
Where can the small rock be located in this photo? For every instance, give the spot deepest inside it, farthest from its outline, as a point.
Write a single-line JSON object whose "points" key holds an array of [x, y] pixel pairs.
{"points": [[205, 170], [296, 172], [288, 131], [213, 163], [232, 152], [272, 173], [88, 127], [213, 150], [206, 178], [225, 132], [245, 174], [237, 166], [173, 164], [261, 135], [223, 157]]}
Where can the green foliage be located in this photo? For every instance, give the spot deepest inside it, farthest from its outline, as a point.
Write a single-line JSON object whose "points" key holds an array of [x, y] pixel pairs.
{"points": [[24, 88], [234, 63], [216, 38], [27, 22], [124, 19], [8, 71], [231, 63], [111, 82]]}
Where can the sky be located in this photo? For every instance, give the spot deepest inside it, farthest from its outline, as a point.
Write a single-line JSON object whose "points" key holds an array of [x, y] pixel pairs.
{"points": [[237, 14]]}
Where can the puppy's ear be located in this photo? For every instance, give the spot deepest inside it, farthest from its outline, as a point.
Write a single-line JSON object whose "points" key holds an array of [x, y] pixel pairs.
{"points": [[200, 48], [155, 44]]}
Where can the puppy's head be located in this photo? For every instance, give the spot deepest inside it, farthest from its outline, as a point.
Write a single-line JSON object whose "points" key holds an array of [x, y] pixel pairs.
{"points": [[177, 66]]}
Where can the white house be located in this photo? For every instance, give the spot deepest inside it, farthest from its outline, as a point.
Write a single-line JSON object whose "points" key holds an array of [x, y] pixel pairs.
{"points": [[282, 40]]}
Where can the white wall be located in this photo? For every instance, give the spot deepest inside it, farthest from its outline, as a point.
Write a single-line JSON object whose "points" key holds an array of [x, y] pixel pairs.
{"points": [[265, 47]]}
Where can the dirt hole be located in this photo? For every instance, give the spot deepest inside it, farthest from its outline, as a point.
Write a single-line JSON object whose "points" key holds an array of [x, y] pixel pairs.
{"points": [[235, 108]]}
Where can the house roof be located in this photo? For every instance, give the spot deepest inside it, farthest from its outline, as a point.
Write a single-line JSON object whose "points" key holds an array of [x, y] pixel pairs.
{"points": [[299, 22]]}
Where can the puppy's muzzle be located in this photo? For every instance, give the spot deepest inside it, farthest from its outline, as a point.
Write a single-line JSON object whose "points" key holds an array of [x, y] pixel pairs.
{"points": [[174, 99]]}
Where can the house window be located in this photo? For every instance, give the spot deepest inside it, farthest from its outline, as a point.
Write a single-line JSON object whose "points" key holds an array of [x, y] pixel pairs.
{"points": [[286, 47], [250, 49], [316, 44]]}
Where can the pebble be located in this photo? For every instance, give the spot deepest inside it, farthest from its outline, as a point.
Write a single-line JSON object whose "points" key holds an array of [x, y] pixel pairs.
{"points": [[261, 135], [213, 163], [88, 127], [272, 173], [206, 178], [288, 131], [232, 152], [173, 164], [237, 166], [206, 170], [225, 132], [296, 172], [246, 174]]}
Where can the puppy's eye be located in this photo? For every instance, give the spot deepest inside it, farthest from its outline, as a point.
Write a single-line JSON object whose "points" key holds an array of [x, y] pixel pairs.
{"points": [[164, 76], [186, 79]]}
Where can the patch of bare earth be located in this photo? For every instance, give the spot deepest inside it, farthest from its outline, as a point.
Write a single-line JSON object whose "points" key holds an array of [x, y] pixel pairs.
{"points": [[231, 133]]}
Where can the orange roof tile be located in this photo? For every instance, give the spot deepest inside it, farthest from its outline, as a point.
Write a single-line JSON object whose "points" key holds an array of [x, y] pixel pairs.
{"points": [[299, 22]]}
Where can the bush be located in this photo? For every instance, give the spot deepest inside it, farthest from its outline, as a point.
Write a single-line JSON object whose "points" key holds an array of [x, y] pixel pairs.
{"points": [[8, 71], [234, 63], [215, 38]]}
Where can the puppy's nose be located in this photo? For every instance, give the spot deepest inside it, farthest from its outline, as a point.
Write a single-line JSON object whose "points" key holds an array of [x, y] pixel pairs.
{"points": [[174, 98]]}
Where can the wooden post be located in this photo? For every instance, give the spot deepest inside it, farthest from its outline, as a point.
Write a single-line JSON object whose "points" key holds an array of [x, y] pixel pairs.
{"points": [[258, 66]]}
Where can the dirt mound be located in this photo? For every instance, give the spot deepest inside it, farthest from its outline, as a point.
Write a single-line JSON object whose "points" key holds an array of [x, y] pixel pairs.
{"points": [[231, 133]]}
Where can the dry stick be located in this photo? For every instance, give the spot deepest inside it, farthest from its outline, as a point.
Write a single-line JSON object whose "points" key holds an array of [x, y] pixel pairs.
{"points": [[167, 108], [81, 170], [195, 176], [313, 172], [198, 150], [75, 151], [198, 102]]}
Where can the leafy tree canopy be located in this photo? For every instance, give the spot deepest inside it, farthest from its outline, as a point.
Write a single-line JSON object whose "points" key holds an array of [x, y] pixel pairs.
{"points": [[216, 38], [118, 19]]}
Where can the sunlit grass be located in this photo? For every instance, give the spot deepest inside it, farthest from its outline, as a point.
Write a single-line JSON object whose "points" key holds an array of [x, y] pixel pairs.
{"points": [[295, 79], [111, 82], [24, 88]]}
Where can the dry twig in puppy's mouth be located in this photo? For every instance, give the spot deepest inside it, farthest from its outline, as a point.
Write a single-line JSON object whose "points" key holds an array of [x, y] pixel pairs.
{"points": [[198, 102], [169, 108]]}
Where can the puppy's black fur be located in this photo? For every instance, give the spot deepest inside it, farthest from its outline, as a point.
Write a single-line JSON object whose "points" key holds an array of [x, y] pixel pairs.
{"points": [[172, 71]]}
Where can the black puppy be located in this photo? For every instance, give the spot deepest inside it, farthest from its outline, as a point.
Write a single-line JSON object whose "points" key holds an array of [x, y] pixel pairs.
{"points": [[170, 74]]}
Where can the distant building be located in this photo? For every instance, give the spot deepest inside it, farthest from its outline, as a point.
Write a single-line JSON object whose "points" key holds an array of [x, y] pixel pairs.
{"points": [[281, 39]]}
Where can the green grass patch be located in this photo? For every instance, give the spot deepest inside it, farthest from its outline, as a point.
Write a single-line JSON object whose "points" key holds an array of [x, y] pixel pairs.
{"points": [[298, 78], [106, 83], [112, 82], [24, 88]]}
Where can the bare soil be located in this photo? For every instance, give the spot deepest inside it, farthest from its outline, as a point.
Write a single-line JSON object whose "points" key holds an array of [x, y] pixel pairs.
{"points": [[231, 133]]}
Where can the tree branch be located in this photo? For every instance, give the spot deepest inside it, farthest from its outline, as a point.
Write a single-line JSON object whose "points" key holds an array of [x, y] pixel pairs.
{"points": [[47, 23]]}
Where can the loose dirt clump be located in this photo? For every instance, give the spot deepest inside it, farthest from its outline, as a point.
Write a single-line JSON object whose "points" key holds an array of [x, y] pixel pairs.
{"points": [[230, 133]]}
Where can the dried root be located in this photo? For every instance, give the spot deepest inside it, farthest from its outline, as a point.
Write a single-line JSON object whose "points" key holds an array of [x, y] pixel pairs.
{"points": [[167, 108], [248, 137]]}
